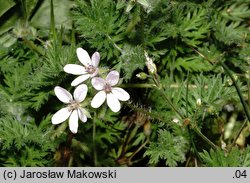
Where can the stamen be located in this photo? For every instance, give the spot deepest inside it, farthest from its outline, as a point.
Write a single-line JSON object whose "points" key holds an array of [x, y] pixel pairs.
{"points": [[90, 69], [107, 88], [73, 105]]}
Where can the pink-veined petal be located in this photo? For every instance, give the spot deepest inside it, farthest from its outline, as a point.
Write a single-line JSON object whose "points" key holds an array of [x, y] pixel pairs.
{"points": [[80, 92], [112, 78], [120, 93], [95, 59], [80, 79], [60, 116], [73, 122], [81, 115], [74, 69], [63, 95], [98, 83], [83, 56], [98, 99], [113, 102]]}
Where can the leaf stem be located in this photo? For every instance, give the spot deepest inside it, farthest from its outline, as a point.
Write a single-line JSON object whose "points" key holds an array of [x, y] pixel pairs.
{"points": [[161, 88], [140, 148], [138, 85], [171, 104], [245, 107], [205, 138], [114, 44], [33, 46]]}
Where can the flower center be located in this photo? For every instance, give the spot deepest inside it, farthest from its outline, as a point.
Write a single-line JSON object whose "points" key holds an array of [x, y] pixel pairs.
{"points": [[73, 105], [90, 69], [107, 88]]}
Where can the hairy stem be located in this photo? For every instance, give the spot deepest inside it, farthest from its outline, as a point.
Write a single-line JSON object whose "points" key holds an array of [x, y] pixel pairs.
{"points": [[138, 85]]}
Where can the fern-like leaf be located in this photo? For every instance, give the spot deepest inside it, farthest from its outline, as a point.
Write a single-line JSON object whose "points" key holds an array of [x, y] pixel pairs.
{"points": [[168, 147]]}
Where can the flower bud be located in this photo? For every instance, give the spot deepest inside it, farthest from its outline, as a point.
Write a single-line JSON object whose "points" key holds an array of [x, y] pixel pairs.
{"points": [[142, 75], [198, 102], [147, 128], [223, 145], [187, 121], [247, 74], [176, 120], [150, 64]]}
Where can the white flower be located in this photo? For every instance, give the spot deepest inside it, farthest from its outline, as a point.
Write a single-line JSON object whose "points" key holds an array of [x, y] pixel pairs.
{"points": [[73, 111], [198, 102], [107, 91], [89, 70]]}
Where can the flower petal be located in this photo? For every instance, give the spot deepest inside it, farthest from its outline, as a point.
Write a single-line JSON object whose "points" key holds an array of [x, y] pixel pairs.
{"points": [[81, 115], [98, 99], [73, 122], [80, 92], [98, 83], [74, 69], [80, 79], [120, 94], [95, 59], [63, 95], [60, 116], [112, 78], [83, 56], [85, 112], [113, 102]]}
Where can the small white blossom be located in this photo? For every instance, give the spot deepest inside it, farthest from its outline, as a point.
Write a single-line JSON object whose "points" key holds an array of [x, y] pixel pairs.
{"points": [[175, 120], [73, 111], [198, 102], [107, 91], [89, 68]]}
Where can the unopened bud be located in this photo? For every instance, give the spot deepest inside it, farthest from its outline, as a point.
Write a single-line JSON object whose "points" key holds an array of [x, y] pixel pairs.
{"points": [[223, 145], [147, 128], [176, 120], [247, 74], [142, 75], [187, 121], [150, 64], [198, 102]]}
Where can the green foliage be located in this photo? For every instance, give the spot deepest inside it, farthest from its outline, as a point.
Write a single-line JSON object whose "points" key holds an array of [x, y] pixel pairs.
{"points": [[229, 32], [193, 28], [26, 144], [237, 11], [214, 90], [166, 148], [102, 24], [219, 158], [131, 60], [175, 114]]}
